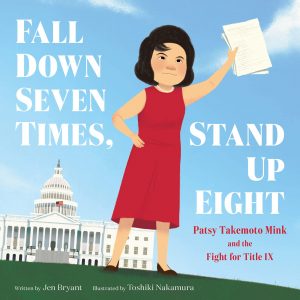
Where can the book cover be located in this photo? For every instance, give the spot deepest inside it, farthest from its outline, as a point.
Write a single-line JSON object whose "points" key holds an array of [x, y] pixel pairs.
{"points": [[136, 163]]}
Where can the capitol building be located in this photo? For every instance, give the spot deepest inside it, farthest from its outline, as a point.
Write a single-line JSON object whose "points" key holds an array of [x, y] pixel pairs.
{"points": [[54, 233]]}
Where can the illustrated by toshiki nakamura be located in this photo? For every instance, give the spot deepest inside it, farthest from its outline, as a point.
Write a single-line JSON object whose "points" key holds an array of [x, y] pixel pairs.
{"points": [[149, 195]]}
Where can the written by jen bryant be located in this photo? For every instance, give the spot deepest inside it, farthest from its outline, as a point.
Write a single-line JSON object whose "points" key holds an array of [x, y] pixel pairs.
{"points": [[159, 287]]}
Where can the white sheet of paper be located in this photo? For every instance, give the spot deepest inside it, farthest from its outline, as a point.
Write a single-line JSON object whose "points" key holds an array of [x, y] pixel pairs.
{"points": [[225, 39], [252, 55], [262, 72]]}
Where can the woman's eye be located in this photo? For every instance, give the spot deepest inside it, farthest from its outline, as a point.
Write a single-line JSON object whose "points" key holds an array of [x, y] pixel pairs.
{"points": [[161, 57], [179, 60]]}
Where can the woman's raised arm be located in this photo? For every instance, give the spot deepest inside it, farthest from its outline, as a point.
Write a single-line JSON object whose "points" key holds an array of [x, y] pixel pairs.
{"points": [[134, 106], [196, 91]]}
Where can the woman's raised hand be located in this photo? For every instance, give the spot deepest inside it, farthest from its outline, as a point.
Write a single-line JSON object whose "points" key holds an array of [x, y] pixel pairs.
{"points": [[232, 54], [137, 141]]}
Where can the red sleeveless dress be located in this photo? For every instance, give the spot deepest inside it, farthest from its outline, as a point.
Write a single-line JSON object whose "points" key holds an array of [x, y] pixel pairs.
{"points": [[150, 188]]}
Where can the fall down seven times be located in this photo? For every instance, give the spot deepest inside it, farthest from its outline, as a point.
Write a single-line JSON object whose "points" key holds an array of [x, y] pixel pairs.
{"points": [[47, 100]]}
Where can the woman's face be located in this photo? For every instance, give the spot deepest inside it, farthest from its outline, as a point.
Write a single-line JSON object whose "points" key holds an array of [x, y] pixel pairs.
{"points": [[169, 67]]}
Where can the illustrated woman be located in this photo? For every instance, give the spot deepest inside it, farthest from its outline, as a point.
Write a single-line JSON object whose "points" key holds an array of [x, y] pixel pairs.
{"points": [[149, 195]]}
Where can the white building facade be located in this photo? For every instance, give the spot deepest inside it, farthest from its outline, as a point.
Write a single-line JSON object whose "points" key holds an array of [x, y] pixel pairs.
{"points": [[54, 233]]}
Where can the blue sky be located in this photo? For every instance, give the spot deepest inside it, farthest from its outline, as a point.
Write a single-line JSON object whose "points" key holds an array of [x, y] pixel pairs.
{"points": [[114, 29]]}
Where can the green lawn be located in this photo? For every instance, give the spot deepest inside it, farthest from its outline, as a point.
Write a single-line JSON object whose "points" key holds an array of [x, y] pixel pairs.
{"points": [[82, 280]]}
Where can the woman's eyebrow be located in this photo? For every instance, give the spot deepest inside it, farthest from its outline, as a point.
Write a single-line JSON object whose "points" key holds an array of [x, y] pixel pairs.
{"points": [[161, 53], [179, 57]]}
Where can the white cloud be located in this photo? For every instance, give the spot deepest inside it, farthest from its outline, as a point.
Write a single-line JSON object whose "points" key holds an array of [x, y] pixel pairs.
{"points": [[119, 6], [9, 179], [283, 34]]}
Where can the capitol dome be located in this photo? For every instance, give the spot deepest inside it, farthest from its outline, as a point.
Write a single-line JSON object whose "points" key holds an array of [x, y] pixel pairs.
{"points": [[57, 186], [56, 195]]}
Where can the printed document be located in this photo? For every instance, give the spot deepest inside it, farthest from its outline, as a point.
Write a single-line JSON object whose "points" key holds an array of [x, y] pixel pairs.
{"points": [[252, 56]]}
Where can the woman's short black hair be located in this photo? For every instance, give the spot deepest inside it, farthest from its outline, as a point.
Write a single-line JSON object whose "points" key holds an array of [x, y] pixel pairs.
{"points": [[155, 41]]}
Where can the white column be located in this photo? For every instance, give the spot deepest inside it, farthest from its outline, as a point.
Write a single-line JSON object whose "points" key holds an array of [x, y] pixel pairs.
{"points": [[72, 244], [69, 240], [12, 236], [50, 237], [96, 243], [81, 239], [31, 235], [63, 240], [5, 237], [76, 233], [25, 237], [43, 239], [18, 237], [56, 239], [93, 243], [37, 237], [87, 242]]}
